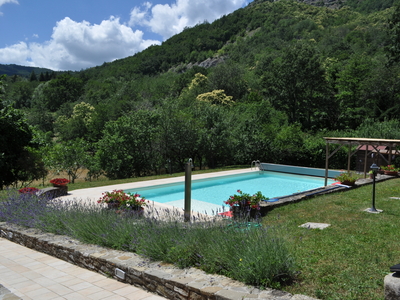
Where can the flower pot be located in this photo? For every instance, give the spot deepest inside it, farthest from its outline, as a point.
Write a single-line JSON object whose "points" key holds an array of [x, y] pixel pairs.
{"points": [[244, 212], [391, 173], [59, 185], [347, 182], [137, 208], [113, 205]]}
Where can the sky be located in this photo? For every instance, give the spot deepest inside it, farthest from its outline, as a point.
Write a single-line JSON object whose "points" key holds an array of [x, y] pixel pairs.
{"points": [[79, 34]]}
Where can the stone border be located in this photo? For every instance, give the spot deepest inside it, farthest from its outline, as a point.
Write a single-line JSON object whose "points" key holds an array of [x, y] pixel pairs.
{"points": [[156, 277], [5, 294], [265, 207]]}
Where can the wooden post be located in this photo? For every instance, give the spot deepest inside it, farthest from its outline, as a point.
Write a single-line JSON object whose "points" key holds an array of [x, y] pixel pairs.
{"points": [[326, 163]]}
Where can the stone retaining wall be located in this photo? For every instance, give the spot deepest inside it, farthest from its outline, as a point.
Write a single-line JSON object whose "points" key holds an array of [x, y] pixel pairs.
{"points": [[157, 277]]}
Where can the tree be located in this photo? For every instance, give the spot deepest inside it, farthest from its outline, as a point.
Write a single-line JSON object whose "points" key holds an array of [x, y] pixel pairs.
{"points": [[63, 89], [350, 84], [296, 83], [77, 126], [129, 146], [70, 156], [228, 77], [216, 97], [393, 32], [33, 76], [180, 134], [17, 160]]}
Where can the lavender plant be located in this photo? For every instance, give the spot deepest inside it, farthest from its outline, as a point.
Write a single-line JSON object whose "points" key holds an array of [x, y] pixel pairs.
{"points": [[250, 254]]}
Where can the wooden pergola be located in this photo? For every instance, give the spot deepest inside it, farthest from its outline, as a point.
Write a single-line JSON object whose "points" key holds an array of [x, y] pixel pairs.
{"points": [[369, 143]]}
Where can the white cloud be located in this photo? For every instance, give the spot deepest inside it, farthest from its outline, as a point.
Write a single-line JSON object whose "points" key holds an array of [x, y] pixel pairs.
{"points": [[167, 20], [16, 53], [77, 45], [2, 2]]}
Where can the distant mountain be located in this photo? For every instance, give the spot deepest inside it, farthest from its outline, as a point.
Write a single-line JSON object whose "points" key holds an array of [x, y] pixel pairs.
{"points": [[22, 71]]}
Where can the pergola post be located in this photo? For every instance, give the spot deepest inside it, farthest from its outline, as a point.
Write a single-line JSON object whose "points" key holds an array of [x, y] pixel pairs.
{"points": [[359, 141], [326, 163]]}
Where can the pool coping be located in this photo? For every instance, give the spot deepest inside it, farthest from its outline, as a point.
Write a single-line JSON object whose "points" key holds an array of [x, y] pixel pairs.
{"points": [[93, 194]]}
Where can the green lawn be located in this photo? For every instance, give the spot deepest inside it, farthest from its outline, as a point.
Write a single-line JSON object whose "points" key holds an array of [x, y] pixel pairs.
{"points": [[349, 259]]}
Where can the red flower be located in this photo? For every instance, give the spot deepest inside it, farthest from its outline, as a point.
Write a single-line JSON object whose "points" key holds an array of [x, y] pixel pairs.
{"points": [[28, 190], [59, 181]]}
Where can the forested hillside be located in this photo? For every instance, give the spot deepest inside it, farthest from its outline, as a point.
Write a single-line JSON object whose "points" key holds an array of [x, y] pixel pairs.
{"points": [[286, 74]]}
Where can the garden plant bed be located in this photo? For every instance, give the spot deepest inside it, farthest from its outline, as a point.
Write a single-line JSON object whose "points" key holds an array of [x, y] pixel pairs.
{"points": [[157, 277]]}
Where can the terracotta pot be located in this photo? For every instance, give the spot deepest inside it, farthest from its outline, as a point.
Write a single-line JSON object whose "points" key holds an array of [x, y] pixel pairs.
{"points": [[137, 208], [59, 185], [244, 212], [113, 205], [349, 183], [391, 173]]}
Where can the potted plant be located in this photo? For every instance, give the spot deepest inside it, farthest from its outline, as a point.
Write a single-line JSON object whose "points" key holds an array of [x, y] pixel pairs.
{"points": [[135, 202], [390, 170], [28, 190], [114, 199], [347, 178], [121, 200], [244, 205], [371, 174], [59, 182]]}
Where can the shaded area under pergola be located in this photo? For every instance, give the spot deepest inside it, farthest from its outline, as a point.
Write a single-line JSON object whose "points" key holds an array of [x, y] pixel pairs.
{"points": [[370, 144]]}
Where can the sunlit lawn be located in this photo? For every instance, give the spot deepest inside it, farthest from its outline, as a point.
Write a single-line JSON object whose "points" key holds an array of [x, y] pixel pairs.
{"points": [[349, 259]]}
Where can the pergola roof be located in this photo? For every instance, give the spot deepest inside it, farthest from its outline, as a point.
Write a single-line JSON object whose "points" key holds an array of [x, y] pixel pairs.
{"points": [[373, 143], [361, 141]]}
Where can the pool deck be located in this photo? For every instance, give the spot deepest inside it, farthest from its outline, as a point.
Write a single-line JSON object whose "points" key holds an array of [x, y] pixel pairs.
{"points": [[93, 194]]}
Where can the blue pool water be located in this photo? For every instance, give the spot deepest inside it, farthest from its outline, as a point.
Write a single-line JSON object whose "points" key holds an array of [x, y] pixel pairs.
{"points": [[209, 194]]}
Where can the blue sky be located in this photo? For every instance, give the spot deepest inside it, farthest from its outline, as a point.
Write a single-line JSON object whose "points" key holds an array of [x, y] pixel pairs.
{"points": [[78, 34]]}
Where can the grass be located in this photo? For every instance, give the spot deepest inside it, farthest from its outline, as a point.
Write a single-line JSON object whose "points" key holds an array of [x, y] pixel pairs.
{"points": [[81, 183], [349, 259]]}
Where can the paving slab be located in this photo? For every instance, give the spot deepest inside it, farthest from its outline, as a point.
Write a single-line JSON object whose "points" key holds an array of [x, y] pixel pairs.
{"points": [[313, 225], [28, 274]]}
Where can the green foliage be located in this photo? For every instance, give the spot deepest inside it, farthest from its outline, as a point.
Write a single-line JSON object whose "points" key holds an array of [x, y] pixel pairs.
{"points": [[296, 84], [129, 146], [70, 156], [65, 88], [17, 161], [294, 71], [393, 30]]}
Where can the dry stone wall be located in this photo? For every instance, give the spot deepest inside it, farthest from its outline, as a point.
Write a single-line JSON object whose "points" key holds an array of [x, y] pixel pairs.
{"points": [[157, 277]]}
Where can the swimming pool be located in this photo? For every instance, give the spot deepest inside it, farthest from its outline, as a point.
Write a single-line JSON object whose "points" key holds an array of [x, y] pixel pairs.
{"points": [[209, 194]]}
